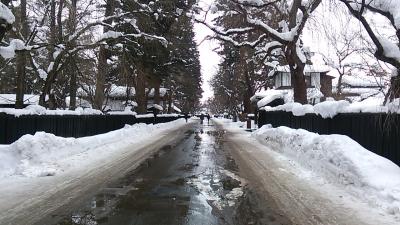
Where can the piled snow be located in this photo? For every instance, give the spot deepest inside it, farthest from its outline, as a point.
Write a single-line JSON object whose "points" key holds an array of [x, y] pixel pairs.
{"points": [[361, 81], [44, 154], [269, 95], [149, 115], [163, 92], [15, 45], [39, 110], [329, 109], [127, 111], [110, 35], [315, 68], [176, 108], [10, 99], [341, 161], [120, 91], [6, 14]]}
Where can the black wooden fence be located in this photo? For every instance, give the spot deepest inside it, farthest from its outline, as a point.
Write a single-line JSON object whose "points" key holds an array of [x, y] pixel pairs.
{"points": [[12, 128], [377, 132]]}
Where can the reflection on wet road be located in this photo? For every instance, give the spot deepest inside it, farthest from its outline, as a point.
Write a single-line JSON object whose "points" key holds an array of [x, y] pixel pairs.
{"points": [[194, 182]]}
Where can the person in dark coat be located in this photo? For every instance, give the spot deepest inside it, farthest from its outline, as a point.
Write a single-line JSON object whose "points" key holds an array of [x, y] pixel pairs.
{"points": [[201, 118], [186, 117], [208, 118]]}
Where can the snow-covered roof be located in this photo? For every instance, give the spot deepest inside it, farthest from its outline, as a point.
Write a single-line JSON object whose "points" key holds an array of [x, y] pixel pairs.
{"points": [[120, 91], [267, 96], [163, 92], [307, 69], [156, 106], [364, 81], [10, 99], [176, 109]]}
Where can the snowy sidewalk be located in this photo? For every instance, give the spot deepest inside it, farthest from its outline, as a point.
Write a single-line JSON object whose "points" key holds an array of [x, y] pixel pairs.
{"points": [[42, 172], [319, 179]]}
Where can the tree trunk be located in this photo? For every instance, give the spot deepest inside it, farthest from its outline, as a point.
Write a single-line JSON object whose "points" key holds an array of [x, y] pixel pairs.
{"points": [[21, 60], [299, 85], [296, 67], [73, 86], [157, 84], [339, 84], [102, 67], [141, 99], [102, 71], [21, 75], [169, 103], [46, 90], [394, 90]]}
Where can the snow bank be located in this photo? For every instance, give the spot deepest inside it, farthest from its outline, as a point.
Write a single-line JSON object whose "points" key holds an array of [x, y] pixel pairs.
{"points": [[45, 154], [329, 109], [39, 110], [340, 161]]}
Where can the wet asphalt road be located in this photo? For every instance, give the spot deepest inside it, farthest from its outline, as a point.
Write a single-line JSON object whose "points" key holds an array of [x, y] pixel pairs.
{"points": [[194, 182]]}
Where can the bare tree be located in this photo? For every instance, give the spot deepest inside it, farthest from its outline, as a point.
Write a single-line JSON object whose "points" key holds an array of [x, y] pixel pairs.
{"points": [[21, 58], [386, 50], [261, 17]]}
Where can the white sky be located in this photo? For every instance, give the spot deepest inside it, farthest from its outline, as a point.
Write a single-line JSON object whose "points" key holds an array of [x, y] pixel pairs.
{"points": [[209, 59]]}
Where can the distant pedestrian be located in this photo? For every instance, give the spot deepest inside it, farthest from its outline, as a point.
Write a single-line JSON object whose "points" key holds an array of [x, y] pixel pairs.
{"points": [[201, 118], [208, 118], [155, 113], [186, 117]]}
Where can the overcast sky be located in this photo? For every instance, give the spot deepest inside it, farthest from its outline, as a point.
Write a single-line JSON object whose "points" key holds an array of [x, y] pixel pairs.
{"points": [[208, 58]]}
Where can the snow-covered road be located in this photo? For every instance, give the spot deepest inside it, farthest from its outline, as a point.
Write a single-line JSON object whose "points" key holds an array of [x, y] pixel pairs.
{"points": [[25, 200], [299, 194]]}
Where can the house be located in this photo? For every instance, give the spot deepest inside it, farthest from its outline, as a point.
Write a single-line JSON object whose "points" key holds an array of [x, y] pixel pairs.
{"points": [[359, 87], [315, 77], [119, 97], [318, 82]]}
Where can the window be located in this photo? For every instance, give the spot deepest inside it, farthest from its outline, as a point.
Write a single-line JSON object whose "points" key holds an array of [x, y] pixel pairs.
{"points": [[283, 79], [308, 80]]}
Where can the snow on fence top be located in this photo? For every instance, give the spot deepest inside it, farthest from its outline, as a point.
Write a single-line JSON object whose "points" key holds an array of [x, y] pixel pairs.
{"points": [[39, 110], [329, 109]]}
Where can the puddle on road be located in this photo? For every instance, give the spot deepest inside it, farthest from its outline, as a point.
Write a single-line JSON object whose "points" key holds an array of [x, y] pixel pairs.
{"points": [[191, 183]]}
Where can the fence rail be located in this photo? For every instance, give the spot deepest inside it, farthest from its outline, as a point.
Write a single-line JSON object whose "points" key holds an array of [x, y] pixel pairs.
{"points": [[12, 128], [377, 132]]}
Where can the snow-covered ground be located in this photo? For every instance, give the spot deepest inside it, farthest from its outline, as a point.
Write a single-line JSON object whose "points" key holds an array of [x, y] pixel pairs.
{"points": [[45, 154], [43, 164], [335, 165]]}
